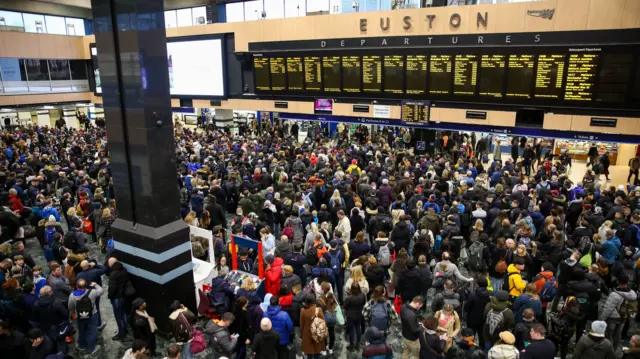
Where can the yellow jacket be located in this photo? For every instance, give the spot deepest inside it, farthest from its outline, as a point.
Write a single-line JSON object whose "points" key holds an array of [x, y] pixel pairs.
{"points": [[354, 167], [516, 283]]}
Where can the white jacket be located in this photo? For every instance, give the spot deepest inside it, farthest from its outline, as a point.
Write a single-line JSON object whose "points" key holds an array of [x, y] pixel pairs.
{"points": [[503, 351]]}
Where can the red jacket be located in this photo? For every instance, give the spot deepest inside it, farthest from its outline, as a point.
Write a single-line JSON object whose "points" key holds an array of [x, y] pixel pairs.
{"points": [[272, 277], [16, 204], [286, 301]]}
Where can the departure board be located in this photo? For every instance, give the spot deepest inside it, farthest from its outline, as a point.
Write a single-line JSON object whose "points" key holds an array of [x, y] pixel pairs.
{"points": [[635, 94], [465, 75], [278, 74], [331, 73], [351, 73], [581, 77], [492, 69], [440, 68], [416, 112], [520, 75], [295, 74], [416, 74], [261, 69], [394, 74], [549, 75], [371, 73], [614, 74], [312, 73]]}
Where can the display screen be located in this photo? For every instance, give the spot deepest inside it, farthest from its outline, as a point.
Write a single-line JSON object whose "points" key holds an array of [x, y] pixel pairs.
{"points": [[331, 73], [295, 74], [261, 70], [416, 74], [581, 77], [351, 73], [196, 68], [59, 70], [520, 75], [615, 72], [440, 68], [371, 74], [465, 75], [394, 74], [323, 105], [492, 69], [415, 112], [549, 75], [312, 73], [278, 74], [96, 69]]}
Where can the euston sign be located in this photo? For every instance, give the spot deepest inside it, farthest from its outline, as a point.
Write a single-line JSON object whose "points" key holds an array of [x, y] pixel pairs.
{"points": [[455, 20]]}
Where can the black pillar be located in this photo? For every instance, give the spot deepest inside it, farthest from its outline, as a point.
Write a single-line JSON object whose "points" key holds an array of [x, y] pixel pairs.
{"points": [[150, 238]]}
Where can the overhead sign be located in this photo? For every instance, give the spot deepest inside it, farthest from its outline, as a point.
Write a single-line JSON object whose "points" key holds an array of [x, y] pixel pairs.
{"points": [[381, 111]]}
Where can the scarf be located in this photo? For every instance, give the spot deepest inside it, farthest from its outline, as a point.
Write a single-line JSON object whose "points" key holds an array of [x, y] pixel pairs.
{"points": [[152, 322]]}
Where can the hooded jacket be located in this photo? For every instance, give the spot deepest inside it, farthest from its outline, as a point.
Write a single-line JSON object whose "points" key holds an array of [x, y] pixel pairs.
{"points": [[401, 235], [281, 323], [592, 347], [516, 283], [474, 307], [615, 299], [49, 312], [265, 344], [273, 277], [503, 351], [498, 306], [117, 281], [221, 340]]}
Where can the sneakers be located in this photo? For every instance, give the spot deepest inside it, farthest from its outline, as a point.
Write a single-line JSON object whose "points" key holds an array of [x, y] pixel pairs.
{"points": [[330, 351], [96, 349], [102, 326], [323, 353]]}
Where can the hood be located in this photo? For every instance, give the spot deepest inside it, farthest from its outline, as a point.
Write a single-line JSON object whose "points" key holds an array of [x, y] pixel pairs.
{"points": [[597, 343], [277, 262], [382, 240], [374, 336], [214, 328], [272, 311], [44, 301], [498, 305], [270, 335], [512, 269], [546, 275], [448, 294], [627, 294], [265, 303]]}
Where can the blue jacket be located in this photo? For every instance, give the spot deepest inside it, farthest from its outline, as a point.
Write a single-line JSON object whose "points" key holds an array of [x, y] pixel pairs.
{"points": [[48, 211], [219, 295], [524, 301], [86, 189], [610, 249], [495, 178], [93, 275], [281, 323], [197, 202]]}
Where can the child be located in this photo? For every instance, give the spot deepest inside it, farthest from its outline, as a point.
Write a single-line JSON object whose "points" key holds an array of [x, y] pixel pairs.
{"points": [[25, 270], [39, 280]]}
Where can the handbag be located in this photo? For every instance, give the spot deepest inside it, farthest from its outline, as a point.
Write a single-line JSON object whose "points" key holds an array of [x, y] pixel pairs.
{"points": [[198, 344], [87, 226], [65, 329], [339, 316], [587, 259], [129, 290]]}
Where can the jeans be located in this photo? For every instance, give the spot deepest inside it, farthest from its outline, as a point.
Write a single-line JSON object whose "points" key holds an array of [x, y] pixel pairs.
{"points": [[332, 336], [97, 306], [185, 353], [496, 284], [340, 286], [614, 331], [353, 328], [120, 315], [52, 333], [410, 349], [87, 333]]}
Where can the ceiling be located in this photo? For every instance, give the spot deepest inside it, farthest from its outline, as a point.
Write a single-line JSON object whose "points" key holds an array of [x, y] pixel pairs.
{"points": [[76, 3]]}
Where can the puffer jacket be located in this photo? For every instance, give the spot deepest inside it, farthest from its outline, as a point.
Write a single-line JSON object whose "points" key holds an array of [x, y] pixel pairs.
{"points": [[590, 347], [503, 351], [498, 306], [273, 277], [281, 323], [615, 299], [516, 284], [221, 340]]}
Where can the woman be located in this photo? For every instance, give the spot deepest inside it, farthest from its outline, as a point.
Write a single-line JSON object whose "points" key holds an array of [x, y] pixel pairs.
{"points": [[529, 299], [205, 220], [499, 255], [566, 320], [448, 322], [380, 303], [397, 212], [222, 267], [310, 347], [242, 324], [357, 223], [191, 219], [432, 345], [248, 289], [504, 348], [336, 202], [375, 273], [329, 305], [521, 251], [358, 247], [353, 305], [357, 276], [311, 237], [476, 230]]}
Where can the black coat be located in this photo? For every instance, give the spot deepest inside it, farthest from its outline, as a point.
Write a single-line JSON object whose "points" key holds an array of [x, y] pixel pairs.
{"points": [[409, 285], [117, 281], [49, 312], [474, 307], [401, 235], [142, 330], [353, 305], [431, 346], [265, 344]]}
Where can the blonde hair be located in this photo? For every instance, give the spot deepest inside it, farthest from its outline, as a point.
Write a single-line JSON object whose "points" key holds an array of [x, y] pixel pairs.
{"points": [[106, 212], [479, 225], [248, 285], [287, 269], [356, 274], [190, 217], [71, 212]]}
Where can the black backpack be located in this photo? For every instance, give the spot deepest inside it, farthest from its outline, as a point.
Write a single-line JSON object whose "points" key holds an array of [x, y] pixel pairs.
{"points": [[70, 241], [84, 307], [312, 255]]}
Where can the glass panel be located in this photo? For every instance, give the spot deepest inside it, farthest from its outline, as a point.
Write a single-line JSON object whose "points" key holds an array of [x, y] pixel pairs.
{"points": [[274, 9], [60, 75], [75, 26], [12, 21], [336, 6], [252, 10], [14, 76], [34, 23], [79, 76], [170, 20], [385, 5], [295, 8], [318, 5], [55, 25], [38, 75], [235, 12], [199, 15], [184, 17]]}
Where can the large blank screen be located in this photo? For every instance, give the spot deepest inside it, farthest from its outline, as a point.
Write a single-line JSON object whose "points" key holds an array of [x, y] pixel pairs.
{"points": [[195, 67]]}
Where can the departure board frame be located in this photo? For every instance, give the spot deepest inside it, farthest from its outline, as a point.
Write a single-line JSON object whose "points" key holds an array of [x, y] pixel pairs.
{"points": [[627, 103]]}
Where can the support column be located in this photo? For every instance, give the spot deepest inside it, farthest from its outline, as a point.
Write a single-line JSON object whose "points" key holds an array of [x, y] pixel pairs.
{"points": [[150, 238]]}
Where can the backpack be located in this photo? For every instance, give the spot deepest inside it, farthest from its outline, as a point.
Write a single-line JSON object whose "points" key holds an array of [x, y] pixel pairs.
{"points": [[627, 309], [549, 290], [475, 256], [437, 242], [59, 252], [505, 284], [380, 316], [464, 255], [495, 323], [385, 224], [455, 302], [288, 231], [384, 255], [312, 255], [334, 263], [49, 254], [49, 232], [319, 330], [70, 240], [84, 307], [583, 300], [501, 266]]}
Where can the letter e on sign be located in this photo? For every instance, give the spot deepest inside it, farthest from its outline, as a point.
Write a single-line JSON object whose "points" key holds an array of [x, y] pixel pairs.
{"points": [[363, 25]]}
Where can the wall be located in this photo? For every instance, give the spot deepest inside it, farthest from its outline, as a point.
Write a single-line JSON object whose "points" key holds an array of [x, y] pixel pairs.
{"points": [[43, 7], [11, 100], [41, 46], [625, 153]]}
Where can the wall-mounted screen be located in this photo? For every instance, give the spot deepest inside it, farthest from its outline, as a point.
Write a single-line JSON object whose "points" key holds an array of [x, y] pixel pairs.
{"points": [[196, 67], [96, 69]]}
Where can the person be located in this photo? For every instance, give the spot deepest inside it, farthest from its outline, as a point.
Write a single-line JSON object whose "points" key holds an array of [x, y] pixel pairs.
{"points": [[594, 345], [617, 309], [49, 314], [143, 325], [40, 345], [180, 321], [137, 350], [266, 342], [282, 324], [411, 329], [173, 352], [83, 303], [378, 312], [376, 347], [431, 345], [92, 273], [504, 348], [515, 282], [273, 274], [223, 343], [118, 280], [634, 351], [465, 347], [329, 306], [59, 284], [522, 330], [498, 317], [529, 299], [540, 347], [448, 322], [297, 261], [13, 343], [310, 347], [634, 167], [448, 295], [353, 306]]}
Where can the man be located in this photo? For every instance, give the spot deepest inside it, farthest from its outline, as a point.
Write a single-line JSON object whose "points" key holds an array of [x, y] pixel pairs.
{"points": [[13, 343], [540, 347], [74, 238], [92, 273], [18, 250], [297, 260], [587, 295], [222, 342], [40, 345], [448, 295], [498, 317], [522, 331], [137, 350], [565, 271], [474, 307], [515, 282], [594, 345], [49, 313], [118, 279], [283, 248], [445, 268], [618, 309], [173, 352], [282, 324], [410, 328], [335, 257], [59, 284], [265, 343], [634, 165], [634, 351], [83, 303], [344, 226]]}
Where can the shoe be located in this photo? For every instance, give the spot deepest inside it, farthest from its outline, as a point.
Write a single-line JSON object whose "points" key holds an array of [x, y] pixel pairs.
{"points": [[96, 349], [102, 326], [78, 349], [349, 347], [330, 351], [323, 353]]}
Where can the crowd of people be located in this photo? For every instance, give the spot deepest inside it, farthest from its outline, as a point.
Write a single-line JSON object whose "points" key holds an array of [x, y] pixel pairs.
{"points": [[468, 257]]}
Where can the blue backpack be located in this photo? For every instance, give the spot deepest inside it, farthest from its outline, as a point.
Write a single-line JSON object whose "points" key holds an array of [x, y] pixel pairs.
{"points": [[49, 233], [335, 262], [110, 246], [437, 242], [549, 290], [49, 255]]}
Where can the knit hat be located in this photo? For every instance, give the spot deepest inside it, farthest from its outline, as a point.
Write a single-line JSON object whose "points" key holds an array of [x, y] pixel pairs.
{"points": [[507, 337], [137, 303], [598, 328], [502, 296]]}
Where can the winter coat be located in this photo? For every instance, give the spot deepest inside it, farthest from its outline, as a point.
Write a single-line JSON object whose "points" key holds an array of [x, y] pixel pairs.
{"points": [[385, 195], [409, 319], [281, 323], [401, 235], [614, 300], [591, 347], [222, 342], [265, 344], [309, 346], [353, 306], [503, 351], [539, 349], [474, 307], [498, 306], [516, 283], [117, 281], [60, 287], [523, 302], [273, 277], [409, 284], [93, 292], [48, 312]]}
